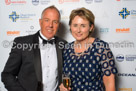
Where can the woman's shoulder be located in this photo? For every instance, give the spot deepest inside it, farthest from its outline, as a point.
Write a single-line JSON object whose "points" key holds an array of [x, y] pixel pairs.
{"points": [[69, 45], [98, 40], [99, 43]]}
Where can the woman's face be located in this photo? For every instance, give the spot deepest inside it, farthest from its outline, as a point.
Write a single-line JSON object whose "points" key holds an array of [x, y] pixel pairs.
{"points": [[80, 28]]}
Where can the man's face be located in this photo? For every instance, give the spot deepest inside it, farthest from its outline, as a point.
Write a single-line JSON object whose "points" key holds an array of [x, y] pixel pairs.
{"points": [[49, 23]]}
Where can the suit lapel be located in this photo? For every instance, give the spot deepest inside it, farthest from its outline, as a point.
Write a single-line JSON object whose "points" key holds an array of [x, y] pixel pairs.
{"points": [[59, 58], [37, 57]]}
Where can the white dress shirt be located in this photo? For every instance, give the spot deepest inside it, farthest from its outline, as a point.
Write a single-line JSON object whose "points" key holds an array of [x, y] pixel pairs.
{"points": [[49, 65]]}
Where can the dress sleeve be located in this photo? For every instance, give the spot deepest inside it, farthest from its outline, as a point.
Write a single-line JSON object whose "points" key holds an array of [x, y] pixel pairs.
{"points": [[107, 61]]}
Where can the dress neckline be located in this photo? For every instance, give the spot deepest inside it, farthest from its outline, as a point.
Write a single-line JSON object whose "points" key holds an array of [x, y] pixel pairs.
{"points": [[84, 52]]}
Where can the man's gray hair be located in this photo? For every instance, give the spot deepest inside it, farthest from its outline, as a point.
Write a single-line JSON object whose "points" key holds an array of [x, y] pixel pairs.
{"points": [[51, 7]]}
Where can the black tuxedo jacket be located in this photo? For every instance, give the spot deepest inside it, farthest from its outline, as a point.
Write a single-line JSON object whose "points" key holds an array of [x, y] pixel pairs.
{"points": [[23, 71]]}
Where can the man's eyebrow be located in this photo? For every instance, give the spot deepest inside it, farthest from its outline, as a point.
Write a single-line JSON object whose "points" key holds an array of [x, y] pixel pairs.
{"points": [[45, 18], [84, 24]]}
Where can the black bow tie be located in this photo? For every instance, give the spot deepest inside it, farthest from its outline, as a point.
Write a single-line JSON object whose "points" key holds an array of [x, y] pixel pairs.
{"points": [[52, 41], [48, 41]]}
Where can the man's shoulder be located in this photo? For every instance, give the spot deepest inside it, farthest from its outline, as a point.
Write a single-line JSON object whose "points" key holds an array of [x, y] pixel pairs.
{"points": [[26, 38], [60, 39]]}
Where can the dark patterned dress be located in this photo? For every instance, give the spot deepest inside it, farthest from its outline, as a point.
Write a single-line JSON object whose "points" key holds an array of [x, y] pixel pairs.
{"points": [[86, 71]]}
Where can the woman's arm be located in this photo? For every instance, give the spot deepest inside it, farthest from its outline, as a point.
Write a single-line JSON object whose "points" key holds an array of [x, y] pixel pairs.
{"points": [[109, 82]]}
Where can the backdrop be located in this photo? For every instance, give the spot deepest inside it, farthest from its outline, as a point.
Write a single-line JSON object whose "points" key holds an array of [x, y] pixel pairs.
{"points": [[115, 23]]}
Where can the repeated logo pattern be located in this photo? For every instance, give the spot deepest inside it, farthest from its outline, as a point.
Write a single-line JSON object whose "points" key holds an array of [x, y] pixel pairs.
{"points": [[13, 16], [124, 13]]}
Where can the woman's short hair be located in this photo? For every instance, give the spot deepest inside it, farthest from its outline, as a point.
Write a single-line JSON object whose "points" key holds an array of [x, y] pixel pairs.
{"points": [[83, 13]]}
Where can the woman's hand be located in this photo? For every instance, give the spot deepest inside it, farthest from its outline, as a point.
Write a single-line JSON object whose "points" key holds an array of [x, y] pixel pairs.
{"points": [[62, 88]]}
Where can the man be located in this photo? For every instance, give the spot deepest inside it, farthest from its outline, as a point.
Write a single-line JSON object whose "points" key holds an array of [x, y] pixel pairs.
{"points": [[33, 66]]}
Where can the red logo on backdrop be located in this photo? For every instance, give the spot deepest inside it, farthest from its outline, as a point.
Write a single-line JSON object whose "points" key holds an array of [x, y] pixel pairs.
{"points": [[123, 30], [125, 89], [8, 2], [61, 1], [13, 33]]}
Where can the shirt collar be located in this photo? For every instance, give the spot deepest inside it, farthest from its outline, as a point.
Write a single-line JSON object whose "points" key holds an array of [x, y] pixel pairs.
{"points": [[44, 36]]}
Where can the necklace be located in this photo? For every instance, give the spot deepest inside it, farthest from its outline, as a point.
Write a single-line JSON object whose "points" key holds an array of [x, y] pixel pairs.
{"points": [[86, 45], [80, 54]]}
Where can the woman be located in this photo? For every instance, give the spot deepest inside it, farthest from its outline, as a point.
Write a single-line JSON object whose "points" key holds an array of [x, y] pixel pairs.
{"points": [[88, 61]]}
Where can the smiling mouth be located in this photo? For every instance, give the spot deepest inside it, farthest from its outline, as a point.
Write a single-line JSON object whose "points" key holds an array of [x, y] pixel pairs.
{"points": [[78, 35], [50, 30]]}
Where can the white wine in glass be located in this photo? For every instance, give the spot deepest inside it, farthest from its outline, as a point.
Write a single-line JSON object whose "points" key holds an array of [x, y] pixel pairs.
{"points": [[66, 81]]}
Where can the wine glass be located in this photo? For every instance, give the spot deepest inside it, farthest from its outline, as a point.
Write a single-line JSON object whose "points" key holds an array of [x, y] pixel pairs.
{"points": [[66, 80]]}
